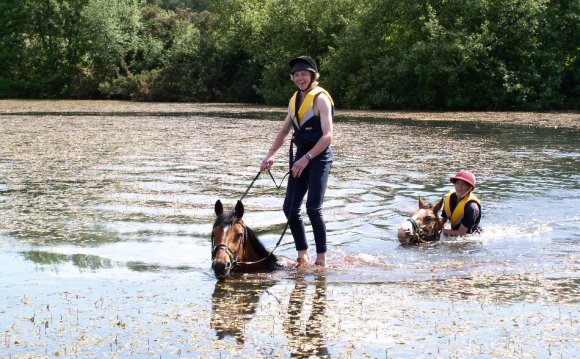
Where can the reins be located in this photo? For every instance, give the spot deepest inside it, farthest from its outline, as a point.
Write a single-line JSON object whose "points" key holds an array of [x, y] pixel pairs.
{"points": [[287, 222], [270, 253], [271, 176]]}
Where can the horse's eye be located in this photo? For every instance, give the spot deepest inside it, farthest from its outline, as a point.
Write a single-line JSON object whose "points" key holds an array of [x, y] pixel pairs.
{"points": [[239, 236], [427, 219]]}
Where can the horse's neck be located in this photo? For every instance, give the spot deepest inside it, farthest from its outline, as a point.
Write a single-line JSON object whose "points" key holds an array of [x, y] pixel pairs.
{"points": [[250, 253], [256, 252]]}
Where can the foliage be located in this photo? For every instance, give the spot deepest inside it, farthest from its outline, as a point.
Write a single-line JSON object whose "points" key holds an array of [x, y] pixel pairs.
{"points": [[196, 5], [454, 54], [376, 54], [40, 47]]}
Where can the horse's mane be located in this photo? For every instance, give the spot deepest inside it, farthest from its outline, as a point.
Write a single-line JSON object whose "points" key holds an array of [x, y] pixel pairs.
{"points": [[229, 219], [271, 261]]}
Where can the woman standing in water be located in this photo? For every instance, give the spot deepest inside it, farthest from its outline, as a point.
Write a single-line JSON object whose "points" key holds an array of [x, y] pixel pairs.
{"points": [[310, 114]]}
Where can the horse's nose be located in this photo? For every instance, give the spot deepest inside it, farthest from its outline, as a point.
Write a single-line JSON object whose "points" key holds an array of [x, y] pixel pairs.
{"points": [[403, 231], [221, 269], [404, 234]]}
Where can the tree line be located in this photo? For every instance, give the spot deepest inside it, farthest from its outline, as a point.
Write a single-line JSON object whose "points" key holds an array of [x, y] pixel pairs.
{"points": [[372, 54]]}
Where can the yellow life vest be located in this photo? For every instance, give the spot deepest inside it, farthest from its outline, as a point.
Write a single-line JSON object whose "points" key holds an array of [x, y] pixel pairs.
{"points": [[306, 110], [457, 215]]}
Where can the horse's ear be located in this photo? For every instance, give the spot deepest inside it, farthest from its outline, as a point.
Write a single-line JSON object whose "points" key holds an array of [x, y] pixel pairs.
{"points": [[239, 209], [219, 208], [424, 203]]}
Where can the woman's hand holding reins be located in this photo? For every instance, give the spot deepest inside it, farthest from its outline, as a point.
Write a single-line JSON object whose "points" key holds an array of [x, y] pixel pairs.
{"points": [[268, 161], [299, 166]]}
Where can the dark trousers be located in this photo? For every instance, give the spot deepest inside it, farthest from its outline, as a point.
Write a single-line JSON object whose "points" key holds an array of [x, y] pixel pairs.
{"points": [[313, 180]]}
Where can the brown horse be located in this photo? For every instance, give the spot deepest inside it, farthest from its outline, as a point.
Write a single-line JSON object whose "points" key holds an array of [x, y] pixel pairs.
{"points": [[423, 226], [235, 247]]}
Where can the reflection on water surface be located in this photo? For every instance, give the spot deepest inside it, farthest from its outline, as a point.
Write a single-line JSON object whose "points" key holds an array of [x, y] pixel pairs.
{"points": [[126, 192]]}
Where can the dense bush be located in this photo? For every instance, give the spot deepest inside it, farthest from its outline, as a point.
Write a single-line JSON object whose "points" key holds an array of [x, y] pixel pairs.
{"points": [[374, 54]]}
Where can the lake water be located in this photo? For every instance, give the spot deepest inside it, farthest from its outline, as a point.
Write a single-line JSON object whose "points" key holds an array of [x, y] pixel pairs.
{"points": [[106, 212]]}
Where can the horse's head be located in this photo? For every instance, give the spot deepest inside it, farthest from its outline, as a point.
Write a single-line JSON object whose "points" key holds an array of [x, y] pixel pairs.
{"points": [[423, 225], [235, 246], [228, 236]]}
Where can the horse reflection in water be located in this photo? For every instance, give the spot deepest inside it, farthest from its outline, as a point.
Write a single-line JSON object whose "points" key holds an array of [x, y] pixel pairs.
{"points": [[423, 225], [306, 340], [234, 304], [235, 247]]}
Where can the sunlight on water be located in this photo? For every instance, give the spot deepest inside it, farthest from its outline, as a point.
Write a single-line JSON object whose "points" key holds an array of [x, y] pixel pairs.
{"points": [[68, 178], [500, 233], [118, 209]]}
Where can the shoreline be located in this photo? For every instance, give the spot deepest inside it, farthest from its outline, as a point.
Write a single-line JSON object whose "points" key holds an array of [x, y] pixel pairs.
{"points": [[564, 119]]}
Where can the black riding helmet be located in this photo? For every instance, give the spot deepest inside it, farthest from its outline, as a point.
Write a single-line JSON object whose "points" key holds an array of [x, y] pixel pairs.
{"points": [[303, 63]]}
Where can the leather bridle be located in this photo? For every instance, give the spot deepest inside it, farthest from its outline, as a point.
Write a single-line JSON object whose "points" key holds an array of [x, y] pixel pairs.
{"points": [[429, 234]]}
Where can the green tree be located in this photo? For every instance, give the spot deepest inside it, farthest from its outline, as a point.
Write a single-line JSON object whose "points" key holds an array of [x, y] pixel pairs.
{"points": [[559, 61], [40, 43], [456, 54], [379, 54], [196, 5], [176, 72], [111, 37], [297, 28]]}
